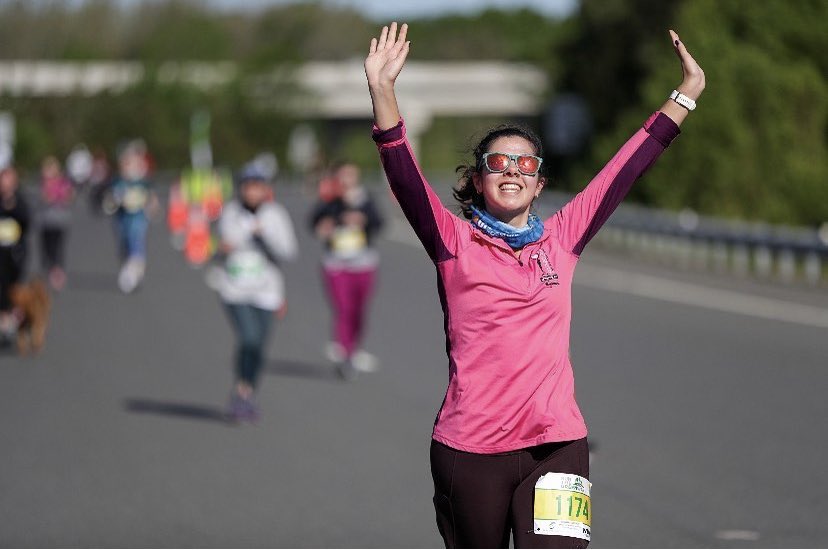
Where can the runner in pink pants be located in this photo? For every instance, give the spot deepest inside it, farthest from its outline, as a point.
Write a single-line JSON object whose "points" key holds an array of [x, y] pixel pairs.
{"points": [[346, 221], [349, 292]]}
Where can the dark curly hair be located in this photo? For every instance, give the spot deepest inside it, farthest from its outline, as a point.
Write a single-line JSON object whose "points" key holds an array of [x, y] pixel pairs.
{"points": [[464, 192]]}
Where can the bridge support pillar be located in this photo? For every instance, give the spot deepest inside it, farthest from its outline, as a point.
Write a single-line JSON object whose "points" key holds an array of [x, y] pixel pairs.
{"points": [[418, 119]]}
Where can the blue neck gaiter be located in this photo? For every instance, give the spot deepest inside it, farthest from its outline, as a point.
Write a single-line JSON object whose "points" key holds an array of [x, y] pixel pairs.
{"points": [[513, 236]]}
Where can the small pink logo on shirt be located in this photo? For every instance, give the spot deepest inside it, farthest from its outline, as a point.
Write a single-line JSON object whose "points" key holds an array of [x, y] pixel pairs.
{"points": [[548, 275]]}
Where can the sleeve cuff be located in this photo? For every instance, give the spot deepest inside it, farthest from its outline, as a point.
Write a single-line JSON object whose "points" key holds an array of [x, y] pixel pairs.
{"points": [[662, 128], [394, 134]]}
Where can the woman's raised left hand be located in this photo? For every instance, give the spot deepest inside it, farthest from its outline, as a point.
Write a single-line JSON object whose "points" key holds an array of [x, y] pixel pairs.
{"points": [[692, 83]]}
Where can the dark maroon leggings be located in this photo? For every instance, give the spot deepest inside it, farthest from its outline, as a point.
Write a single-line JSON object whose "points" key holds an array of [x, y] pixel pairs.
{"points": [[481, 499]]}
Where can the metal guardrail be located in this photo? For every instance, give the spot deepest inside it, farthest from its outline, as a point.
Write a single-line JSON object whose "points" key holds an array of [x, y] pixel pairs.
{"points": [[790, 255]]}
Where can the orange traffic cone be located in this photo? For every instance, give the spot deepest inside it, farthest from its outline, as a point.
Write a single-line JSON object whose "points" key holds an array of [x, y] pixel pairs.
{"points": [[213, 203], [177, 214], [198, 245]]}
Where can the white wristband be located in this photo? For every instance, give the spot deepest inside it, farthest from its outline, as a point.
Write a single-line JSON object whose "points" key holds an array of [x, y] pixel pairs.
{"points": [[683, 100]]}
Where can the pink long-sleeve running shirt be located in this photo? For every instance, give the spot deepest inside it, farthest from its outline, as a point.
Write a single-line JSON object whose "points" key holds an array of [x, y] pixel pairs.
{"points": [[507, 321]]}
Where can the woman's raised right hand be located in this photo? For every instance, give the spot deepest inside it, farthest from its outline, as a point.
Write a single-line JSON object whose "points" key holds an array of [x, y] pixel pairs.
{"points": [[386, 57]]}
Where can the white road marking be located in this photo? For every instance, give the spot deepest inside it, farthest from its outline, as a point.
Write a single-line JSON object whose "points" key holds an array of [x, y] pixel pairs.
{"points": [[690, 294], [737, 534]]}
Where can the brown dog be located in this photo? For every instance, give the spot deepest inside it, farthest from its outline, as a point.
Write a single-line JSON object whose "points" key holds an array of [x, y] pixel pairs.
{"points": [[32, 300]]}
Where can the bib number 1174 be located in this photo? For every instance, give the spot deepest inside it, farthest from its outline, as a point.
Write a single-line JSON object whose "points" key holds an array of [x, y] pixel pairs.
{"points": [[562, 506]]}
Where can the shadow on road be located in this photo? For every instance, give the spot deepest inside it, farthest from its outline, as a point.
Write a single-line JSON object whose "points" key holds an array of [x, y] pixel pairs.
{"points": [[7, 348], [179, 410], [301, 369]]}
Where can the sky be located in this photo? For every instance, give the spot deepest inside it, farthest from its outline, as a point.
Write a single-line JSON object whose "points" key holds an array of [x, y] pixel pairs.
{"points": [[383, 10]]}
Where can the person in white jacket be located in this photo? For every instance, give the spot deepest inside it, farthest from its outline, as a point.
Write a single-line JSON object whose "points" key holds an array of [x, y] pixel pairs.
{"points": [[256, 235]]}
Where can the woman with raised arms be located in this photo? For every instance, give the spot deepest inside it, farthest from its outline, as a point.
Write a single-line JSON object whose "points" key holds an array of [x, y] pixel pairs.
{"points": [[509, 452]]}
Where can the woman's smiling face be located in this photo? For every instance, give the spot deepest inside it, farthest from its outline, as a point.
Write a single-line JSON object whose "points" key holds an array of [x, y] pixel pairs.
{"points": [[509, 194]]}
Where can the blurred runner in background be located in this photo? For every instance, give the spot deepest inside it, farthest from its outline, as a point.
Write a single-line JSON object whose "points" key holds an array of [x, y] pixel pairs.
{"points": [[56, 193], [256, 235], [347, 220], [99, 180], [14, 226], [131, 201]]}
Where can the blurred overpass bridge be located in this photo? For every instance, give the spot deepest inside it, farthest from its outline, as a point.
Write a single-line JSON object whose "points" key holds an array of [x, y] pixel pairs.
{"points": [[327, 89]]}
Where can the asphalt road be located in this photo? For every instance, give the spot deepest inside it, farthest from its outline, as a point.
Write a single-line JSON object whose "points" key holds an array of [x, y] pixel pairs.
{"points": [[704, 398]]}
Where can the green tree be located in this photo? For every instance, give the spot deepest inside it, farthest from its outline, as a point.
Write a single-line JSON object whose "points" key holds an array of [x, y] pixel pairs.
{"points": [[53, 30], [178, 30], [607, 53], [511, 35], [304, 32], [756, 146]]}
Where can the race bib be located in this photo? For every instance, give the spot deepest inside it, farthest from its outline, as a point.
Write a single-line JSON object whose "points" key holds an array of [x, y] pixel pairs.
{"points": [[246, 267], [348, 241], [9, 232], [135, 198], [562, 506]]}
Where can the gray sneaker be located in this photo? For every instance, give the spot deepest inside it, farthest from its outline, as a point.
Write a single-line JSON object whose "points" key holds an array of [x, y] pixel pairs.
{"points": [[242, 410]]}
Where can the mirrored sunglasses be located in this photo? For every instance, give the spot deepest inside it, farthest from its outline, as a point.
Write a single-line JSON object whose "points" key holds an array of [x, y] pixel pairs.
{"points": [[528, 165]]}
